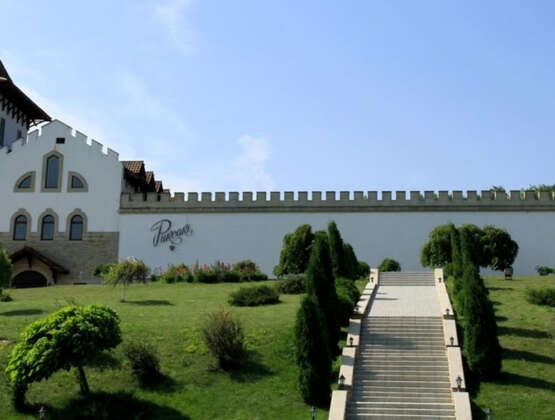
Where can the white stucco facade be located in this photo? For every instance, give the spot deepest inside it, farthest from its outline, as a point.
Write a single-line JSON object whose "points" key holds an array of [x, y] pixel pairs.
{"points": [[374, 235], [101, 170]]}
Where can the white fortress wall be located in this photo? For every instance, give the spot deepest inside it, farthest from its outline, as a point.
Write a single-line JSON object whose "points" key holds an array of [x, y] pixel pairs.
{"points": [[231, 236]]}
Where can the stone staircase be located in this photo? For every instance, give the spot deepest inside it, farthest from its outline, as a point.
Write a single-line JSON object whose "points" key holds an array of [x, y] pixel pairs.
{"points": [[401, 370], [406, 279]]}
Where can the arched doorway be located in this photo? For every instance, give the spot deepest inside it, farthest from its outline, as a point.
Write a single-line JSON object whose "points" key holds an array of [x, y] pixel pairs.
{"points": [[28, 279]]}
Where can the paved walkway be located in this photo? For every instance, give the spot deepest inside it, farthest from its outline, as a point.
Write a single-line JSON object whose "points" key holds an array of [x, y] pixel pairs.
{"points": [[405, 301]]}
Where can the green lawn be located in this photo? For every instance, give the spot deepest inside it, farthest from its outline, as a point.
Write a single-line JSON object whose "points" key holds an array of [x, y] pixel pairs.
{"points": [[169, 317], [526, 388]]}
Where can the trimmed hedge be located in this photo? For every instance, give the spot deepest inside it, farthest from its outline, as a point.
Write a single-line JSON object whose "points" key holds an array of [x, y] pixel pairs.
{"points": [[292, 284], [254, 296], [389, 264], [544, 296]]}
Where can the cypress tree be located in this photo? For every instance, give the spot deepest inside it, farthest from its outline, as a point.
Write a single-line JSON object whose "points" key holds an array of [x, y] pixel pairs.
{"points": [[456, 267], [295, 252], [312, 354], [351, 262], [336, 251], [320, 283], [481, 345]]}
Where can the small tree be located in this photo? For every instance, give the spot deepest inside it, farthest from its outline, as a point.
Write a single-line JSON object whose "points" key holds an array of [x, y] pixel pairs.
{"points": [[295, 251], [320, 283], [74, 336], [437, 251], [5, 269], [312, 353], [337, 251], [389, 264], [127, 272], [351, 262], [500, 248], [481, 345]]}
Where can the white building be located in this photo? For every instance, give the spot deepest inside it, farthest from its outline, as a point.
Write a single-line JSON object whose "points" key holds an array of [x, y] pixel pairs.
{"points": [[68, 205]]}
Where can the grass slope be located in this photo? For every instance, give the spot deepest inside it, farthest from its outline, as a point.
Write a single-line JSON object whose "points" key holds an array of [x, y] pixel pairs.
{"points": [[526, 387], [169, 316]]}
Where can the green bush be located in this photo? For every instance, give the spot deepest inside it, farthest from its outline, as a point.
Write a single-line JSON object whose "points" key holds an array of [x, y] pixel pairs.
{"points": [[389, 264], [102, 270], [350, 262], [5, 271], [499, 247], [295, 252], [337, 251], [224, 338], [177, 274], [254, 296], [436, 252], [126, 272], [480, 344], [363, 270], [348, 296], [4, 297], [320, 283], [74, 336], [544, 270], [292, 284], [544, 296], [144, 362], [249, 271], [312, 353]]}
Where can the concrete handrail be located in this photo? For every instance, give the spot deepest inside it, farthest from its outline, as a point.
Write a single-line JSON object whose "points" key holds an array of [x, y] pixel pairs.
{"points": [[463, 410], [338, 406], [353, 336], [456, 372]]}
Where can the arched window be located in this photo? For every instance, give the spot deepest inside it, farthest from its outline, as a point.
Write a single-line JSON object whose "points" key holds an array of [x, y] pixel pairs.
{"points": [[25, 183], [47, 228], [52, 172], [76, 228], [76, 182], [20, 228]]}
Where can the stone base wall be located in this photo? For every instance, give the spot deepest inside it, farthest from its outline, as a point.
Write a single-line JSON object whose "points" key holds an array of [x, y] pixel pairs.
{"points": [[79, 257]]}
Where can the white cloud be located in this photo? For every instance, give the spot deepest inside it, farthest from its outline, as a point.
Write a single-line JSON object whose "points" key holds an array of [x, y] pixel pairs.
{"points": [[250, 166], [171, 14]]}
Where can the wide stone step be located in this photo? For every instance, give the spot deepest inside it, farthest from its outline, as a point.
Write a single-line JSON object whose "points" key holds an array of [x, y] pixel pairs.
{"points": [[402, 389], [407, 411], [409, 370], [382, 382], [382, 365], [362, 416], [379, 395]]}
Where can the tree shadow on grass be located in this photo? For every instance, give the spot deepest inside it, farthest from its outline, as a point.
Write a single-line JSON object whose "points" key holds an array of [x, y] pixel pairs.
{"points": [[501, 318], [21, 312], [495, 289], [149, 302], [507, 378], [163, 384], [251, 369], [523, 332], [527, 356], [107, 406]]}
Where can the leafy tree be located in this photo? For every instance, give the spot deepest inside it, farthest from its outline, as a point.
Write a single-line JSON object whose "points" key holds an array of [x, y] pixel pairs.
{"points": [[126, 272], [437, 251], [74, 336], [474, 237], [347, 296], [500, 248], [497, 188], [456, 266], [312, 353], [351, 262], [542, 187], [295, 251], [337, 251], [320, 283], [389, 264], [363, 269], [481, 345], [5, 269]]}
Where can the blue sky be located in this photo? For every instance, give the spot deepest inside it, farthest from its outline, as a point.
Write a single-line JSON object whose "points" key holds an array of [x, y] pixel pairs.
{"points": [[289, 95]]}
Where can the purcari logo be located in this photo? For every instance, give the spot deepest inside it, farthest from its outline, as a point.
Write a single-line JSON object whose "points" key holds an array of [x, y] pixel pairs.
{"points": [[163, 233]]}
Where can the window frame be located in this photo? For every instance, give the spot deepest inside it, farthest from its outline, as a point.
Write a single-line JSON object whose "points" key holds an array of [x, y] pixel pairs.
{"points": [[71, 188], [71, 224], [45, 159], [43, 222], [13, 230], [26, 175]]}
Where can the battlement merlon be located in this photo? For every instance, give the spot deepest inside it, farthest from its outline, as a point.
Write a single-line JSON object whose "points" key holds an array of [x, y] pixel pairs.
{"points": [[344, 201], [53, 130]]}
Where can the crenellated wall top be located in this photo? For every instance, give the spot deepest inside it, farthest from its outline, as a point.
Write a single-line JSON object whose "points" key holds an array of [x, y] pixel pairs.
{"points": [[347, 201]]}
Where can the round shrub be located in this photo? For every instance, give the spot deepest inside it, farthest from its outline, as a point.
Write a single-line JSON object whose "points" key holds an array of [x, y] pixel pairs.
{"points": [[363, 269], [544, 296], [102, 270], [347, 297], [231, 277], [71, 337], [389, 264], [144, 362], [544, 270], [224, 338], [254, 296], [4, 297], [292, 284]]}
